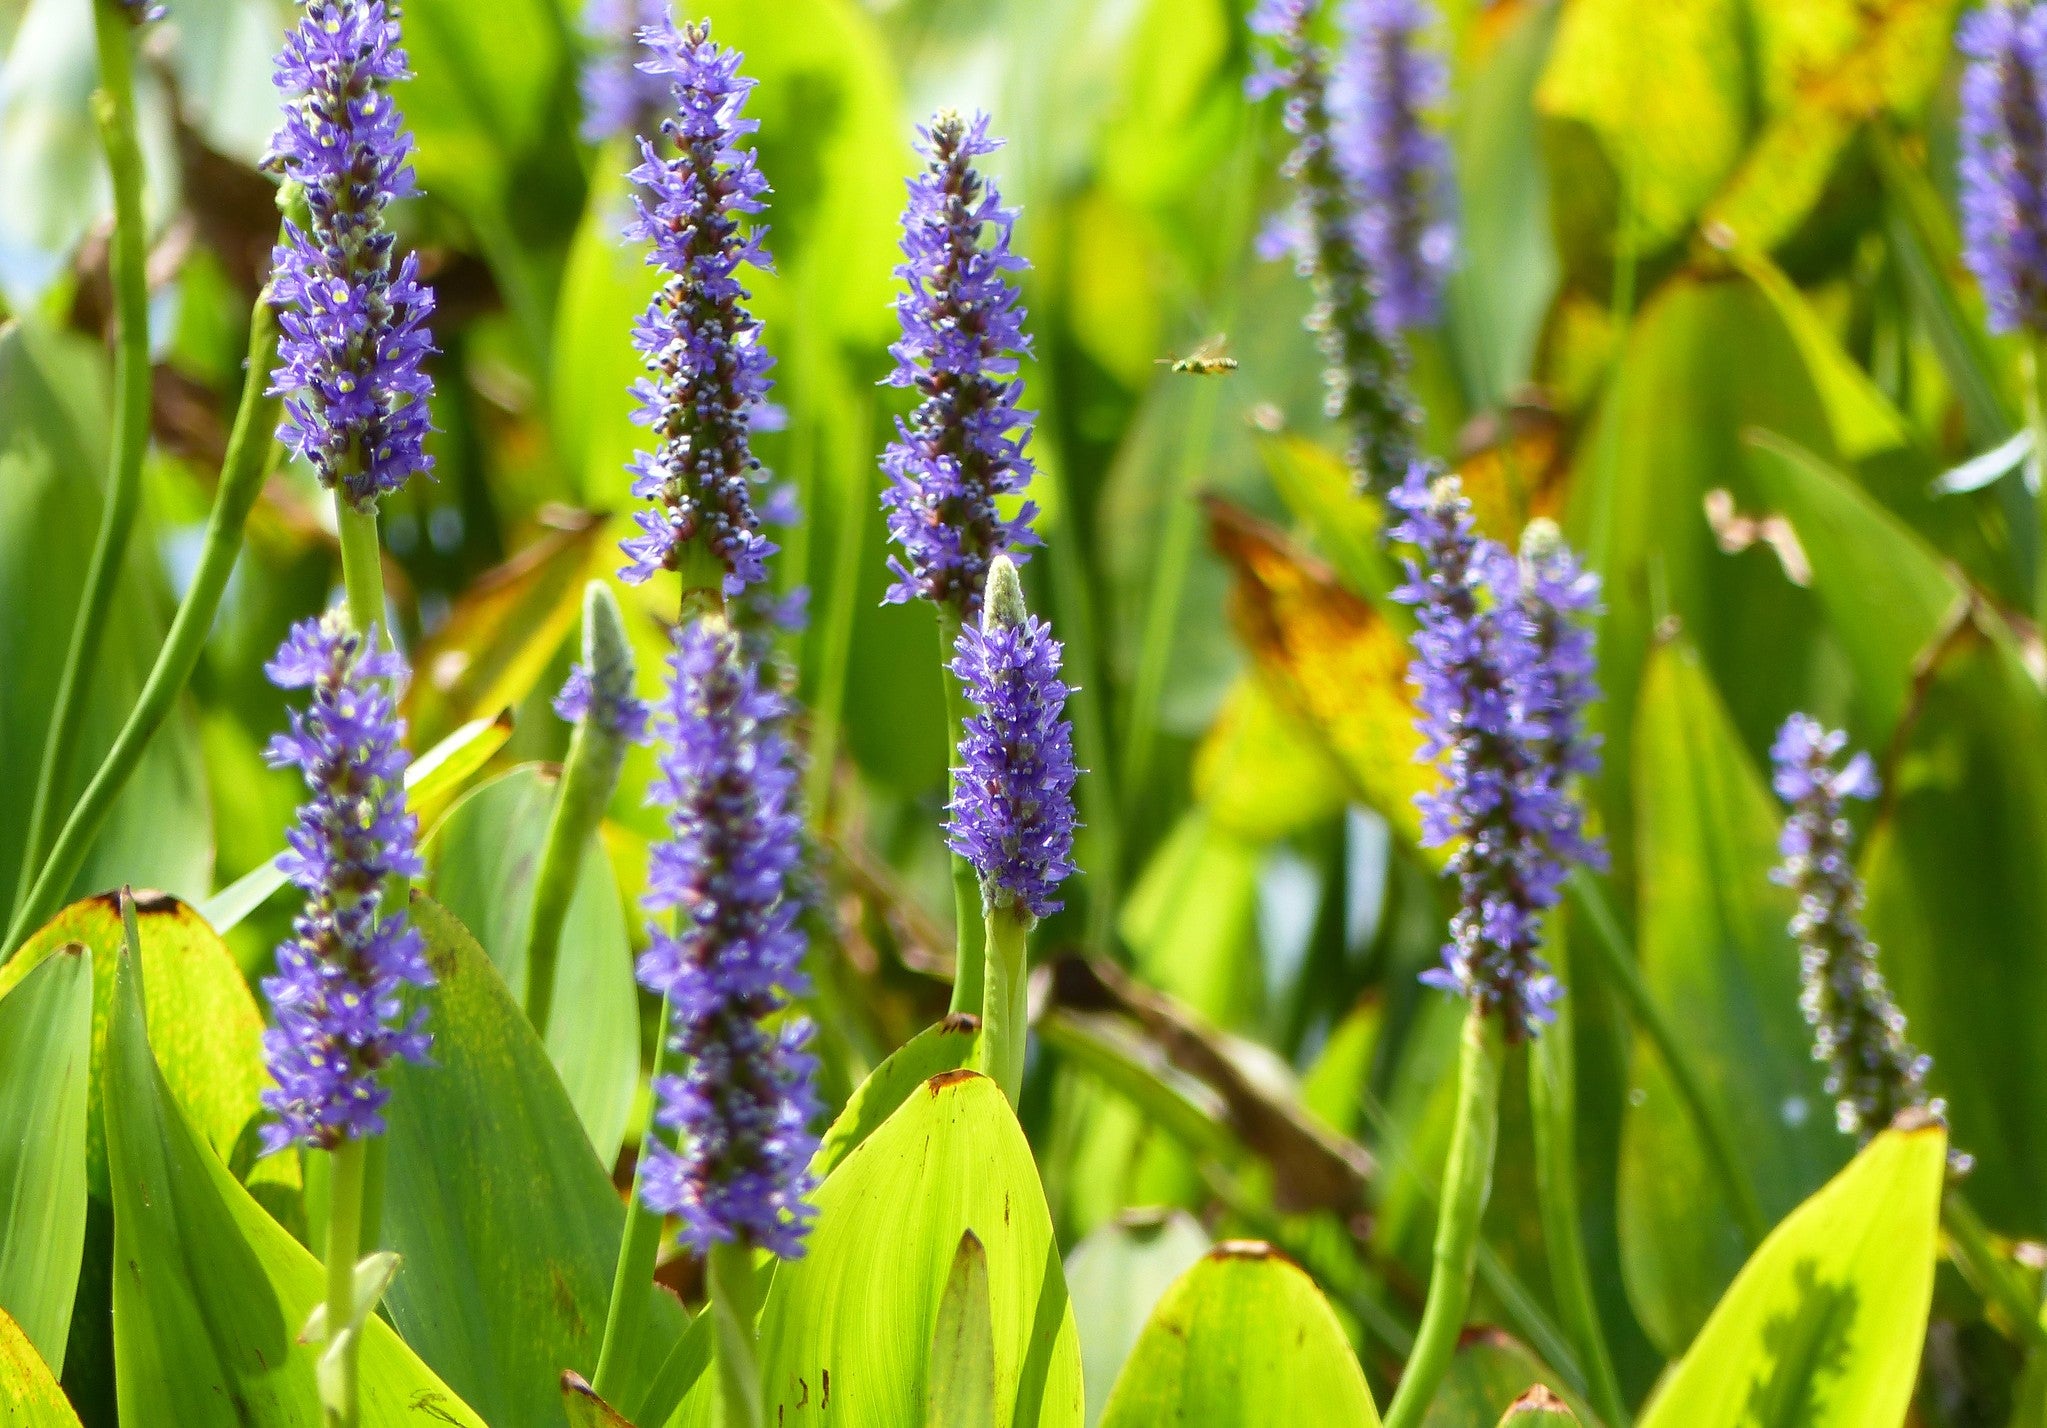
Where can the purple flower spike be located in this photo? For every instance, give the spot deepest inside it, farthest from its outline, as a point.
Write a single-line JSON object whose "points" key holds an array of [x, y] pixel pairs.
{"points": [[1366, 375], [707, 370], [1012, 811], [1383, 86], [354, 326], [1873, 1072], [1503, 674], [962, 339], [731, 957], [2004, 161], [336, 991], [619, 97]]}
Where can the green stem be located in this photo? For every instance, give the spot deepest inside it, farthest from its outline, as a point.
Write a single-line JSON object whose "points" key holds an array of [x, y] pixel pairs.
{"points": [[345, 1193], [735, 1303], [1990, 1273], [1005, 1013], [1467, 1184], [1553, 1105], [241, 481], [362, 563], [1709, 1119], [638, 1249], [114, 107], [2036, 422], [968, 948]]}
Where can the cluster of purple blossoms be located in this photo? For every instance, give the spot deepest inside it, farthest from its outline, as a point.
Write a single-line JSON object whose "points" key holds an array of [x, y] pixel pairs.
{"points": [[336, 993], [744, 1107], [1503, 674], [1011, 814], [1873, 1072], [605, 696], [2004, 161], [962, 339], [354, 333], [619, 97], [1365, 373], [707, 370], [1384, 84]]}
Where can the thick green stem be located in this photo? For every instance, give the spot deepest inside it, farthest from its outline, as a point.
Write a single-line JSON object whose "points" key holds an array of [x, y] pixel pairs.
{"points": [[2036, 422], [638, 1249], [362, 564], [1005, 1014], [241, 481], [1467, 1184], [1709, 1119], [735, 1303], [114, 107], [968, 948], [345, 1193], [1553, 1104], [1993, 1276]]}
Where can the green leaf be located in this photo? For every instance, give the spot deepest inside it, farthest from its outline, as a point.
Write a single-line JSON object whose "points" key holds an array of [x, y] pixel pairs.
{"points": [[210, 1291], [931, 1052], [29, 1395], [1863, 420], [1491, 1373], [508, 1225], [45, 1070], [1718, 957], [481, 864], [1824, 1325], [1538, 1408], [1243, 1338], [1260, 772], [584, 1408], [1117, 1275], [962, 1361]]}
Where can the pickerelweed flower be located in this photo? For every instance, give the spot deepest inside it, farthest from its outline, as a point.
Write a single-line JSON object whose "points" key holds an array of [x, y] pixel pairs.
{"points": [[1011, 814], [1384, 84], [354, 326], [962, 339], [1365, 374], [744, 1106], [619, 97], [707, 370], [612, 704], [2004, 161], [336, 991], [1873, 1072], [1502, 676]]}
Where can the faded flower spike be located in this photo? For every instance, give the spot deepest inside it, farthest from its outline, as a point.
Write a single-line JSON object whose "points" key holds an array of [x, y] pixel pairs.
{"points": [[1384, 84], [2004, 161], [1873, 1072], [354, 326], [336, 991], [962, 338], [619, 96], [1502, 677], [744, 1107], [1365, 374], [1012, 809], [707, 370]]}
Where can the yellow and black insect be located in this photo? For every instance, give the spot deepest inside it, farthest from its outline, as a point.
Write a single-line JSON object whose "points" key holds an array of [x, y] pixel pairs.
{"points": [[1210, 359]]}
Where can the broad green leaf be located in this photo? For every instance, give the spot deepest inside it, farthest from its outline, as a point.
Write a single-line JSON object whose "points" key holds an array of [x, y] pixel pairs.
{"points": [[1957, 874], [962, 1360], [1244, 1338], [1718, 958], [507, 1223], [1116, 1276], [29, 1395], [210, 1292], [1824, 1325], [1491, 1373], [848, 1327], [1344, 526], [45, 1070], [1192, 920], [931, 1052], [1863, 420], [481, 863], [1260, 773], [584, 1408]]}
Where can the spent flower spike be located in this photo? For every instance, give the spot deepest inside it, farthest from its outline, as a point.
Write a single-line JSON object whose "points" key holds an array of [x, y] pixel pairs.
{"points": [[353, 321], [962, 341], [707, 372], [1503, 673], [731, 957], [1012, 813], [2004, 160], [620, 96], [1873, 1071], [336, 992]]}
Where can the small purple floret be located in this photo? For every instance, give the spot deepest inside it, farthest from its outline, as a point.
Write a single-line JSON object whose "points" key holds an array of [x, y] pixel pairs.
{"points": [[728, 957], [614, 708], [2004, 161], [619, 97], [336, 993]]}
